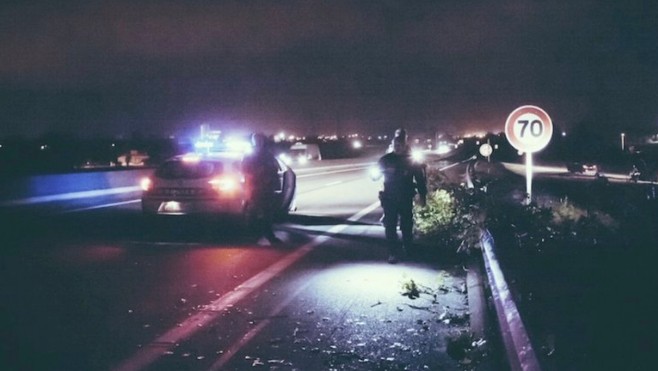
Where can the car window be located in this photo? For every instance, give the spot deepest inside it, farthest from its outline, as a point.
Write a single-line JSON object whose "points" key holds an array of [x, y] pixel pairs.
{"points": [[189, 170]]}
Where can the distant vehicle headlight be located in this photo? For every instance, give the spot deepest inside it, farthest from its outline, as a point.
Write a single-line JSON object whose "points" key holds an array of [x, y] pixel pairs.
{"points": [[443, 148], [302, 159]]}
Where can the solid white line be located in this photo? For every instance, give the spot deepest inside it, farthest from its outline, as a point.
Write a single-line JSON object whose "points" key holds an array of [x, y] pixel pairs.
{"points": [[157, 348], [356, 168], [325, 168], [101, 206]]}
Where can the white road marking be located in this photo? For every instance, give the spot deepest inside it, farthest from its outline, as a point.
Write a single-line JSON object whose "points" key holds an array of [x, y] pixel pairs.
{"points": [[246, 338], [157, 348], [354, 168], [101, 206]]}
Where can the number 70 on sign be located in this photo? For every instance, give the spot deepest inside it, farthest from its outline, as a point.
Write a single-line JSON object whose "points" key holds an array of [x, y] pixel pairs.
{"points": [[528, 129]]}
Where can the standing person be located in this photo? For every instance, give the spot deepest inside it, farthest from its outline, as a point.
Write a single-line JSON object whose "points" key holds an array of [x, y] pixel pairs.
{"points": [[402, 134], [402, 180], [262, 180]]}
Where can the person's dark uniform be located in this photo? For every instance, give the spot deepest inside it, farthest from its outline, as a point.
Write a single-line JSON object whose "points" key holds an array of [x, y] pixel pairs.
{"points": [[402, 180], [261, 178]]}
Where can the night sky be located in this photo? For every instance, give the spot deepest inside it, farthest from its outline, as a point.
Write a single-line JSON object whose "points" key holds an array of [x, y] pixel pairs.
{"points": [[98, 68]]}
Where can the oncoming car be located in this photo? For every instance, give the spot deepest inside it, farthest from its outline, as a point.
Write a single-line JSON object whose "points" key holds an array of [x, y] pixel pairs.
{"points": [[208, 184], [585, 168]]}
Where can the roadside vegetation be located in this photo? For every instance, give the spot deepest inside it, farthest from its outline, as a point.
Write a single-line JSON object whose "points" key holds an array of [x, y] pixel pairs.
{"points": [[579, 259], [455, 216]]}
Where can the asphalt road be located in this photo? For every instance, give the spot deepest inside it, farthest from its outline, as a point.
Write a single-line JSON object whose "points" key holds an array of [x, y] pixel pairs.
{"points": [[104, 288]]}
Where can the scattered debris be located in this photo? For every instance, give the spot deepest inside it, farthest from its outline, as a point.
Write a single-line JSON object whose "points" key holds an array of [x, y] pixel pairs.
{"points": [[466, 349], [410, 290]]}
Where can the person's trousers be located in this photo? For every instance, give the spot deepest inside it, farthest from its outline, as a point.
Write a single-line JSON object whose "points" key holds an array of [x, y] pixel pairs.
{"points": [[398, 211], [260, 217]]}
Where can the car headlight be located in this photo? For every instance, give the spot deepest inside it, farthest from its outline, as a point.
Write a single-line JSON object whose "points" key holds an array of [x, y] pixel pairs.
{"points": [[146, 184]]}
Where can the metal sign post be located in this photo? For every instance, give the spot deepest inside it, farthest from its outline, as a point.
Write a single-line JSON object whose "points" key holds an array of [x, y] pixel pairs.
{"points": [[528, 129], [528, 177]]}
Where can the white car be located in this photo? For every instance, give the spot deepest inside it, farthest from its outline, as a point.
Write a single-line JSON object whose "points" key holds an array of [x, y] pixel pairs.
{"points": [[207, 184], [585, 168]]}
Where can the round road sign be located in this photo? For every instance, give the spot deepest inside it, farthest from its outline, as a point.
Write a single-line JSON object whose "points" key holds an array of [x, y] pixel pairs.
{"points": [[529, 129], [486, 150]]}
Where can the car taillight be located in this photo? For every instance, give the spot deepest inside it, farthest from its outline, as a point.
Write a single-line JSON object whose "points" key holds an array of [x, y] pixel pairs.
{"points": [[226, 184], [146, 184]]}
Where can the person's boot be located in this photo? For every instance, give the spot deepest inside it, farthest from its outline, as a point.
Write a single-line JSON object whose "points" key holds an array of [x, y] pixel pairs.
{"points": [[409, 249], [392, 259], [273, 239], [393, 252]]}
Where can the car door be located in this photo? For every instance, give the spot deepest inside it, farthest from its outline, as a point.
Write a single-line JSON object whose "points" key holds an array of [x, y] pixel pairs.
{"points": [[288, 180]]}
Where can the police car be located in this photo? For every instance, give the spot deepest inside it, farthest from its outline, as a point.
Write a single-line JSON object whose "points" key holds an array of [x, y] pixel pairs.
{"points": [[211, 183]]}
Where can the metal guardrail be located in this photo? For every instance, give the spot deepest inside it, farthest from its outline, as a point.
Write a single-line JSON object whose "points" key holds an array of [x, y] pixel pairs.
{"points": [[519, 351], [41, 189]]}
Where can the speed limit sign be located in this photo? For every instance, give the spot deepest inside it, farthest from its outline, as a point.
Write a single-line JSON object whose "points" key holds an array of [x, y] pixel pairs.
{"points": [[486, 150], [529, 129]]}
